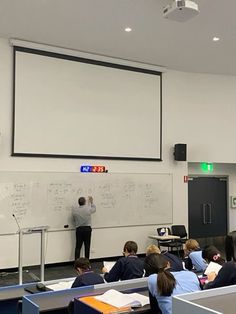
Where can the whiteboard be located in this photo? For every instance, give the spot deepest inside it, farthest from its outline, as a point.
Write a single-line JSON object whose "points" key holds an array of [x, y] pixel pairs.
{"points": [[47, 198], [83, 104]]}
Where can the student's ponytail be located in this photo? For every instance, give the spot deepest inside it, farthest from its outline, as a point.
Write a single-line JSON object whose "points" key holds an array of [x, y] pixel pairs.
{"points": [[165, 282], [156, 264]]}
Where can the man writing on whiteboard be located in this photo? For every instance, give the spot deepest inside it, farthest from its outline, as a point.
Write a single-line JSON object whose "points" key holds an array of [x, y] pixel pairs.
{"points": [[82, 218]]}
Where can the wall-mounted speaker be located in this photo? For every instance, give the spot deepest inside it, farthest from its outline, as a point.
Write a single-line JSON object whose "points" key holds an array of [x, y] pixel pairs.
{"points": [[180, 152]]}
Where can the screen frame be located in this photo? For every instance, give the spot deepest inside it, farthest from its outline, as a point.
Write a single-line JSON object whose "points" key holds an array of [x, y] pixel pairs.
{"points": [[89, 61]]}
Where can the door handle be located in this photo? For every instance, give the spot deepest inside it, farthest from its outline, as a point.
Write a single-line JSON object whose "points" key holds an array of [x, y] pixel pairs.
{"points": [[210, 213], [204, 213]]}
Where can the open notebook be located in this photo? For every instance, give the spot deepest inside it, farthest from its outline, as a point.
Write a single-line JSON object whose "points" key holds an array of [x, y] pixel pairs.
{"points": [[61, 285], [109, 265], [212, 267], [119, 299]]}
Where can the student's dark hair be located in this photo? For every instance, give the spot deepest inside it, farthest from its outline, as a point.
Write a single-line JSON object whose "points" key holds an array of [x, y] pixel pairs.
{"points": [[156, 264], [82, 263], [131, 247], [211, 254], [82, 201]]}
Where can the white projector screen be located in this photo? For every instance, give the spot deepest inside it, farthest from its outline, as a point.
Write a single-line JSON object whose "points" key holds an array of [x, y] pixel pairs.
{"points": [[66, 106]]}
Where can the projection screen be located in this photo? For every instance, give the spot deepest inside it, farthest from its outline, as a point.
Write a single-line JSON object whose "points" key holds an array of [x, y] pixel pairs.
{"points": [[74, 107]]}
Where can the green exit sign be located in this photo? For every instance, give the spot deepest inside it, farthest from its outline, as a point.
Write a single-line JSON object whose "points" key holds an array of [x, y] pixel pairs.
{"points": [[206, 166]]}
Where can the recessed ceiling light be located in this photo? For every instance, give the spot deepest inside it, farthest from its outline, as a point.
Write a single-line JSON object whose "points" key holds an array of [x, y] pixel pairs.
{"points": [[216, 38], [128, 29]]}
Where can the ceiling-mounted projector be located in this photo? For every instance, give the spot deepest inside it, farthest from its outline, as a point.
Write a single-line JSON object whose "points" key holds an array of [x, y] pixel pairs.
{"points": [[181, 10]]}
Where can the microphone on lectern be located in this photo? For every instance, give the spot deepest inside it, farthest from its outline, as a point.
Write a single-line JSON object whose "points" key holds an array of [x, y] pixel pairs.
{"points": [[13, 215]]}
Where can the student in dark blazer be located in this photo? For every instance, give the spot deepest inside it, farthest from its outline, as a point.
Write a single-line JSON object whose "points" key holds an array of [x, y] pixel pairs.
{"points": [[127, 267], [226, 275], [86, 276], [175, 262]]}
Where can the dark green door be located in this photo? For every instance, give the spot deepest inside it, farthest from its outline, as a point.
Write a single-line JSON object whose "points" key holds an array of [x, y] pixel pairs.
{"points": [[207, 206]]}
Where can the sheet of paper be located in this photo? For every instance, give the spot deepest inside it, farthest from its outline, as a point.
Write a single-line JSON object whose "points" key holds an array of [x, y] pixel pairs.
{"points": [[119, 299], [61, 285], [109, 265], [212, 267]]}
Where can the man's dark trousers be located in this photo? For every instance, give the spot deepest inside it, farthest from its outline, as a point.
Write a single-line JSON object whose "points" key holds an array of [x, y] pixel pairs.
{"points": [[83, 235]]}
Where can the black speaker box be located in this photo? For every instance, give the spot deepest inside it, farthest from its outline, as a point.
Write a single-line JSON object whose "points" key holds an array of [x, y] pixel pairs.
{"points": [[180, 152]]}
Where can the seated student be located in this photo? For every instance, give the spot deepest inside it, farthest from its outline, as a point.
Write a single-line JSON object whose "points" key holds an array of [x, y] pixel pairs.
{"points": [[86, 276], [175, 262], [226, 275], [211, 254], [193, 256], [163, 284], [127, 267]]}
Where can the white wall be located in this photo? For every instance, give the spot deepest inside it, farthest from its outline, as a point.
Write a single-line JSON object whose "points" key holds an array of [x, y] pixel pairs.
{"points": [[197, 110], [60, 245], [201, 110]]}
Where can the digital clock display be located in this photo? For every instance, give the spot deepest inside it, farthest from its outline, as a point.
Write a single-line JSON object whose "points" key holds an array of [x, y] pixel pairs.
{"points": [[96, 169]]}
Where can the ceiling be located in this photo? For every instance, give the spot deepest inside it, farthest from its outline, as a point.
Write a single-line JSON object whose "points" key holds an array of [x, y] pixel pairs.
{"points": [[97, 26]]}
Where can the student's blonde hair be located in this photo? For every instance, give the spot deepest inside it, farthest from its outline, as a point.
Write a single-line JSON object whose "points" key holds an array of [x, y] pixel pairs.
{"points": [[153, 249], [192, 245]]}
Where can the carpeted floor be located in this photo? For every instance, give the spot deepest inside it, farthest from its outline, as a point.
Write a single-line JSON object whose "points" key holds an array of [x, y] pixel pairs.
{"points": [[52, 272]]}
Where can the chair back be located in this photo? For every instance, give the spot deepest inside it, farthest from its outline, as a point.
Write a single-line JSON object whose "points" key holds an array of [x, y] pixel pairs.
{"points": [[179, 230]]}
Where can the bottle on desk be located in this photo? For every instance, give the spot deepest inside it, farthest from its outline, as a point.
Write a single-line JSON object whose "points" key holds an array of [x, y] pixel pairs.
{"points": [[166, 232], [163, 231]]}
